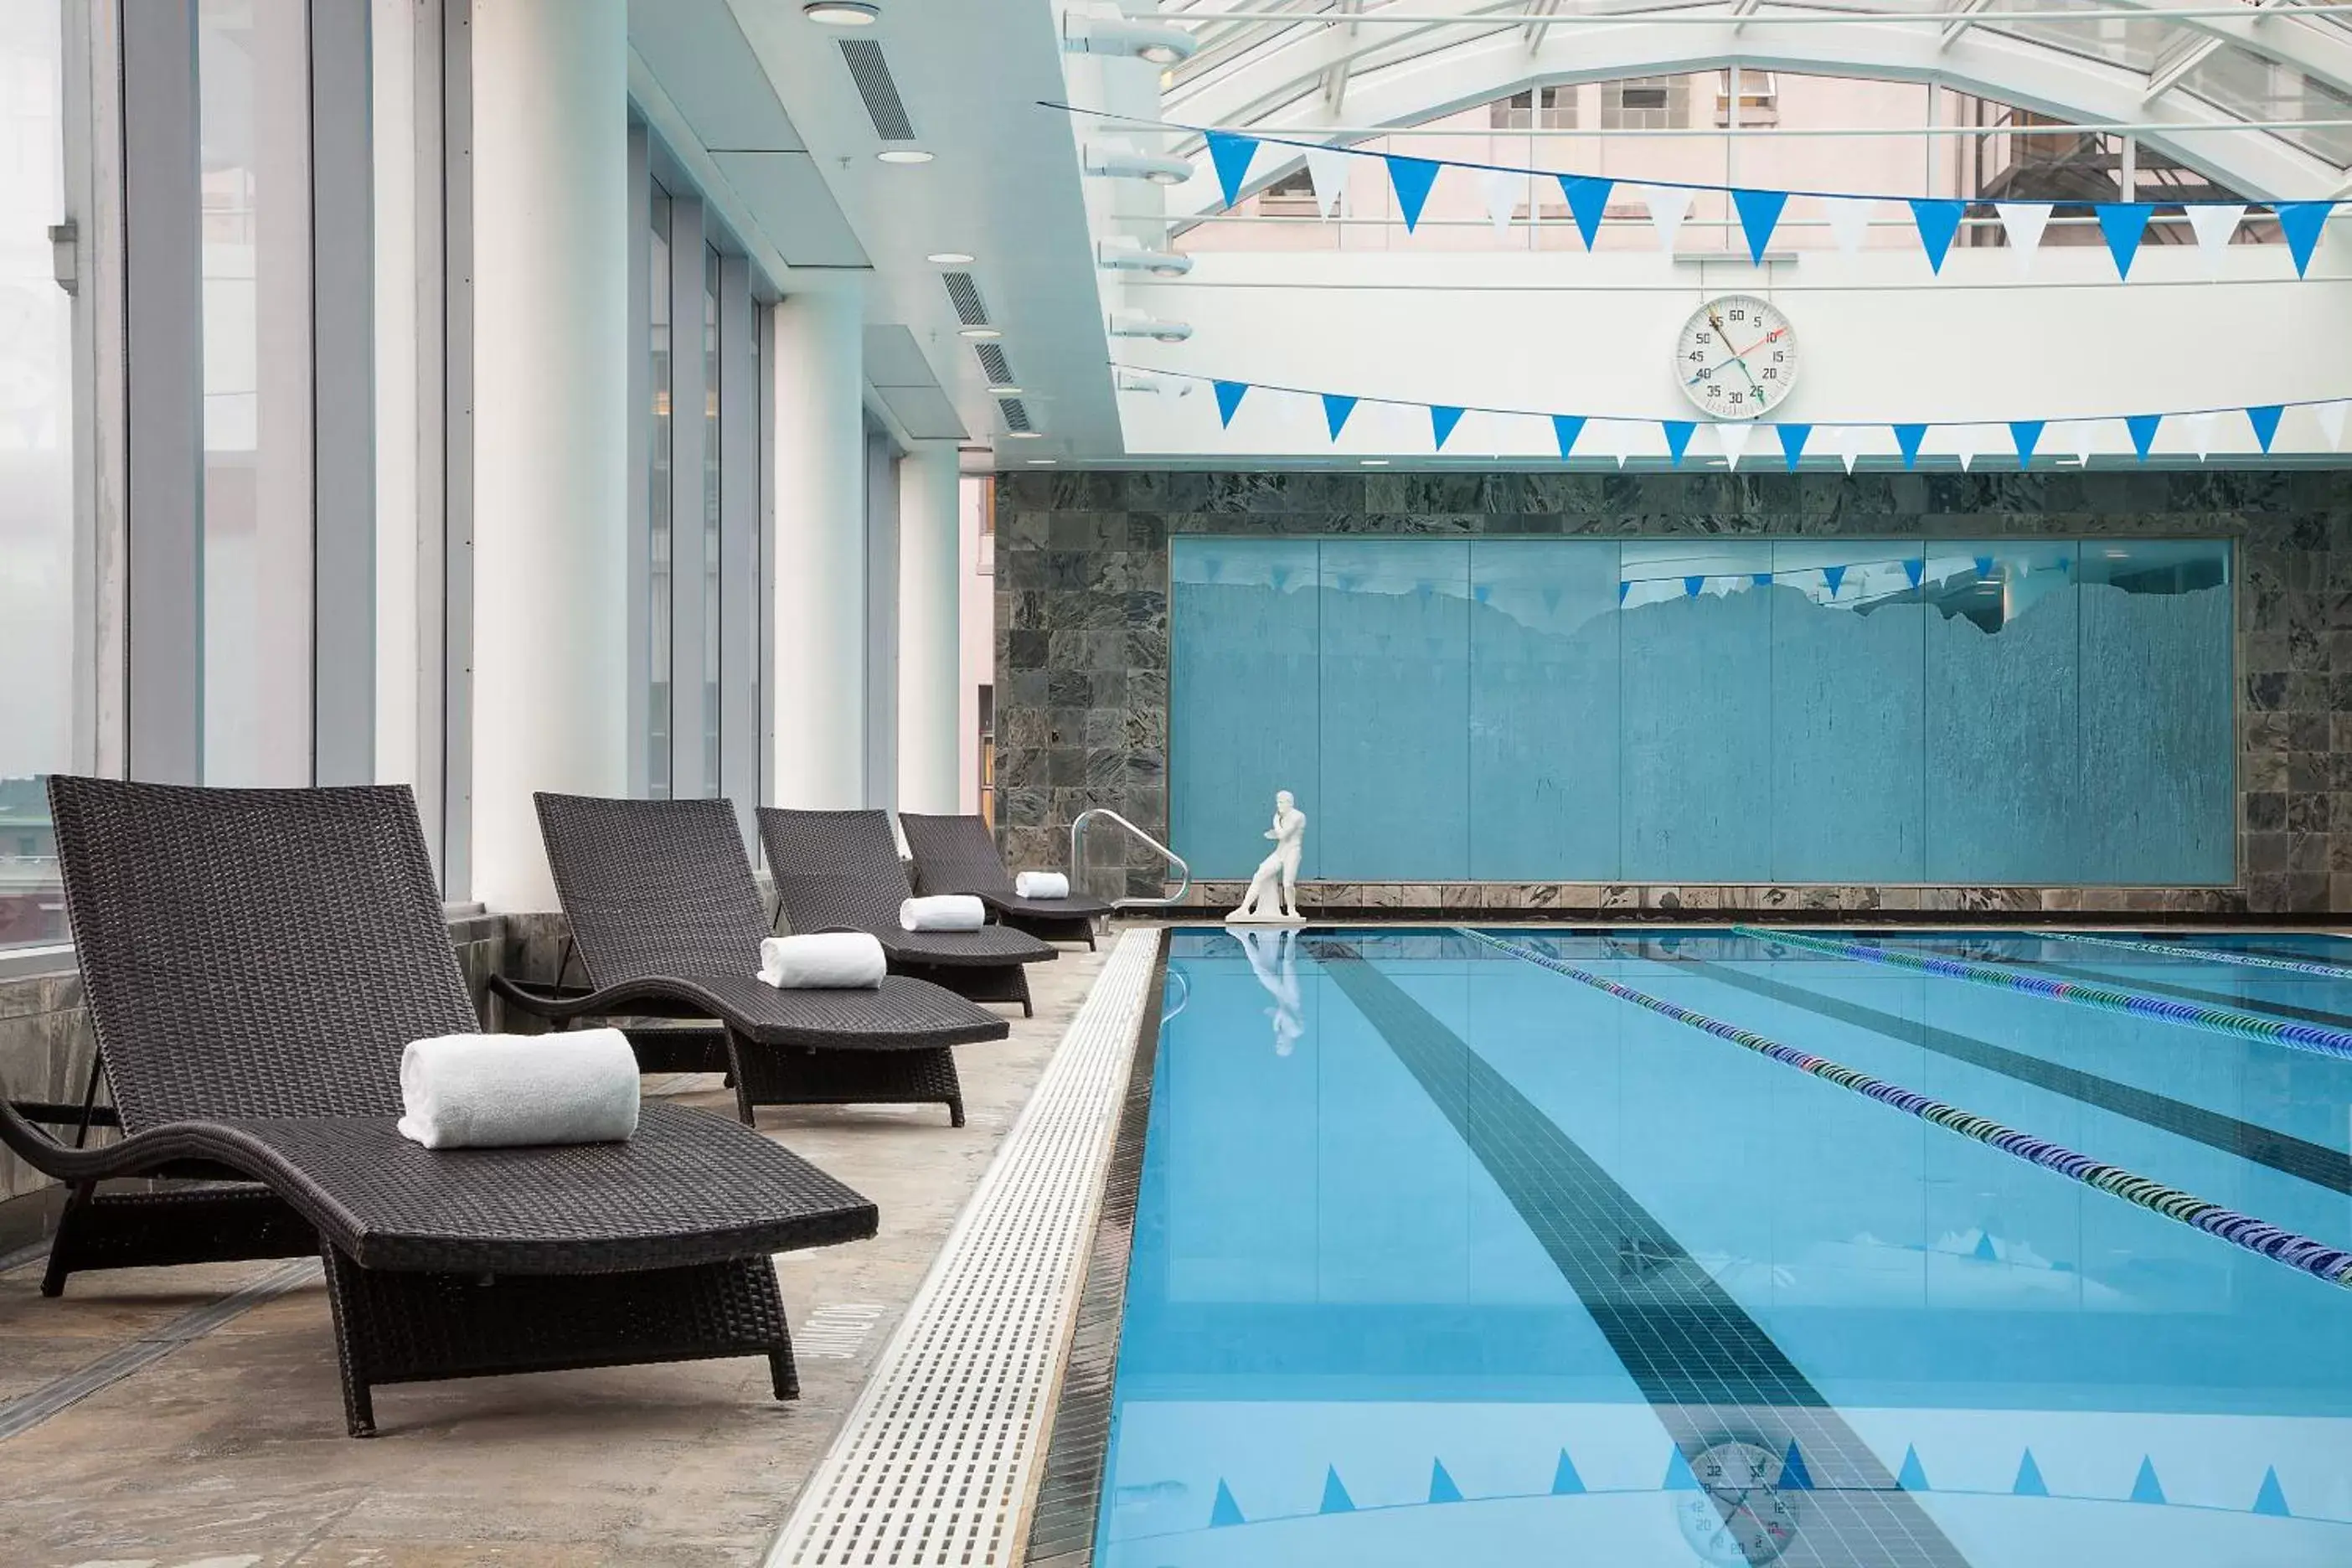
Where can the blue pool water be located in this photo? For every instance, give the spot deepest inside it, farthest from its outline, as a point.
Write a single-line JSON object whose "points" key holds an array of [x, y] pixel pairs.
{"points": [[1445, 1256]]}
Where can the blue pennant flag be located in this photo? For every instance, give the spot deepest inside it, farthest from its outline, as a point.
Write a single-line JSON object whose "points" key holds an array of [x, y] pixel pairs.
{"points": [[2143, 432], [1412, 177], [1335, 410], [1335, 1496], [1908, 437], [1759, 214], [2123, 222], [1794, 1476], [1442, 421], [1913, 1477], [1224, 1510], [1229, 399], [1914, 569], [2272, 1499], [1834, 576], [1564, 429], [1938, 220], [1588, 199], [2029, 1482], [1691, 586], [1678, 436], [2301, 223], [1761, 579], [2146, 1487], [1441, 1485], [2027, 435], [1793, 442], [1622, 589], [2265, 421], [1232, 155], [1678, 1474], [1984, 566], [1565, 1481]]}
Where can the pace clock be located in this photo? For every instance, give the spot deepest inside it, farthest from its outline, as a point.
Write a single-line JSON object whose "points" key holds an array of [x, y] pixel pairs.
{"points": [[1740, 1516], [1736, 357]]}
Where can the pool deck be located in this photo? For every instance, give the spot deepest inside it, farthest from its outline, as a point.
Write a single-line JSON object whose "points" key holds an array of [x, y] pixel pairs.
{"points": [[229, 1452]]}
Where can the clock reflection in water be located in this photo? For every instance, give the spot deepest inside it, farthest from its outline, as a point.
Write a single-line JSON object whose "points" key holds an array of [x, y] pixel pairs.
{"points": [[1736, 357], [1739, 1515]]}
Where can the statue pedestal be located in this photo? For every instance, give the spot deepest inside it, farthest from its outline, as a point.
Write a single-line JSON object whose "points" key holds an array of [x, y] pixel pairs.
{"points": [[1239, 919]]}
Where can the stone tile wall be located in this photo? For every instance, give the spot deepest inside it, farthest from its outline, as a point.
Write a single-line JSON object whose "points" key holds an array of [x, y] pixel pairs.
{"points": [[1082, 641]]}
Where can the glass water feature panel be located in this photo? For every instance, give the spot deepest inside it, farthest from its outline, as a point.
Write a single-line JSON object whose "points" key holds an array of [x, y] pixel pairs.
{"points": [[1543, 710], [1846, 760], [1396, 710], [2003, 700], [1697, 684], [2159, 774], [1244, 719]]}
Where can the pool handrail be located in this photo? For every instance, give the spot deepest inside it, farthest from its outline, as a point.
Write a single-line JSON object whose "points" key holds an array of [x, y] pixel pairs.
{"points": [[1077, 841]]}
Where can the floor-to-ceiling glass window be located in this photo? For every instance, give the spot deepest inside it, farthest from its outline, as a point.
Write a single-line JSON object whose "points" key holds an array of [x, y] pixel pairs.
{"points": [[254, 126], [36, 472], [657, 509]]}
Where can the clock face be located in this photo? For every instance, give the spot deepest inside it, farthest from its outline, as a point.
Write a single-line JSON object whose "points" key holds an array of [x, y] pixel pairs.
{"points": [[1736, 357], [1739, 1515]]}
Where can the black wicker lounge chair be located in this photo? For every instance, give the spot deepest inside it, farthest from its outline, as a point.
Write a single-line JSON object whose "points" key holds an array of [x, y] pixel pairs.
{"points": [[254, 962], [666, 922], [839, 871], [956, 855]]}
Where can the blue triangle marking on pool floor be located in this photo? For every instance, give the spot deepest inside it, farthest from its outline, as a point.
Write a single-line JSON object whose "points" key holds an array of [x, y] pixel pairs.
{"points": [[1912, 1476], [1441, 1485], [1565, 1481], [1224, 1510], [1984, 1252], [2029, 1482], [1794, 1476], [2146, 1487], [1335, 1496], [2272, 1499]]}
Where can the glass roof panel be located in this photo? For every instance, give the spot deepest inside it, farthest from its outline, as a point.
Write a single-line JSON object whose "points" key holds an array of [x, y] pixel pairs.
{"points": [[2255, 89]]}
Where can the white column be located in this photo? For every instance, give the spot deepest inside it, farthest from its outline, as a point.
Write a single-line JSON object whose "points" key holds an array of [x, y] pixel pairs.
{"points": [[819, 675], [551, 161], [930, 645]]}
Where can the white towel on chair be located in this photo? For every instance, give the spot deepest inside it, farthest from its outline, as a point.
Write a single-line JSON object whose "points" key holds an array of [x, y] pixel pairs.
{"points": [[943, 911], [1042, 885], [823, 961], [493, 1091]]}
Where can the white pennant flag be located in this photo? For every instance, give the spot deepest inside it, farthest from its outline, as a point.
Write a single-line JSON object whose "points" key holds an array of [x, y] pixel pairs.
{"points": [[2084, 438], [2331, 422], [2214, 224], [1734, 440], [1849, 221], [2200, 435], [1621, 438], [1849, 446], [1502, 189], [2023, 222], [1669, 204], [1967, 442], [1328, 168]]}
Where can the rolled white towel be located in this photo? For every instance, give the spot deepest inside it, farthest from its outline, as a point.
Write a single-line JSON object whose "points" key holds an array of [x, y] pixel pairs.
{"points": [[820, 961], [492, 1091], [1042, 885], [943, 911]]}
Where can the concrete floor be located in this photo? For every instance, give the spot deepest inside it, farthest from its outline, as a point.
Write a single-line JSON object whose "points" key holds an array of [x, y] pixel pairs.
{"points": [[229, 1451]]}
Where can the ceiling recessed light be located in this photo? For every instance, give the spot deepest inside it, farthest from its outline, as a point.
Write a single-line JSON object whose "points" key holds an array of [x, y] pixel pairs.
{"points": [[903, 155], [949, 259], [1004, 389], [979, 335], [1375, 462], [1022, 435], [1043, 462], [842, 13]]}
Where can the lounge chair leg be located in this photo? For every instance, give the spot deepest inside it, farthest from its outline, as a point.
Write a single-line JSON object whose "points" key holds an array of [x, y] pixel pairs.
{"points": [[359, 1410], [955, 1111], [741, 1080], [1028, 1008], [784, 1374], [53, 1277]]}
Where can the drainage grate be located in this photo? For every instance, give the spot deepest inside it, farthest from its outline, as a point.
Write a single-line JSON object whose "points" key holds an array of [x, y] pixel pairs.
{"points": [[993, 364], [964, 295], [935, 1462], [1017, 414], [871, 72]]}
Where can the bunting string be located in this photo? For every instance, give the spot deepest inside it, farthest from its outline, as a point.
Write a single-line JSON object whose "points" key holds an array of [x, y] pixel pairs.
{"points": [[1935, 220], [1733, 438]]}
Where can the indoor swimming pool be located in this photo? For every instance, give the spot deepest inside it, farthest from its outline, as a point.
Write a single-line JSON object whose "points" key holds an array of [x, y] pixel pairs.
{"points": [[1856, 1249]]}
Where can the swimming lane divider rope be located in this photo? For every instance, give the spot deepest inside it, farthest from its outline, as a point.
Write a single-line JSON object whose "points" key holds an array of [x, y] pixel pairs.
{"points": [[2315, 1037], [2215, 954], [2313, 1258]]}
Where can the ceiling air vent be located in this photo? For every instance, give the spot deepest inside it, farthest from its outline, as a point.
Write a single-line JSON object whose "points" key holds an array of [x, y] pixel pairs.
{"points": [[871, 72], [993, 364], [964, 295], [1017, 414]]}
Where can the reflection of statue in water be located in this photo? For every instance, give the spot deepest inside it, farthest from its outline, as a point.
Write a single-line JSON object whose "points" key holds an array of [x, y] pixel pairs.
{"points": [[1274, 958], [1276, 882]]}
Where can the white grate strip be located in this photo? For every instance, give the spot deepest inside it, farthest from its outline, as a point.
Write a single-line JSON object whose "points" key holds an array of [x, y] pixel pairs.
{"points": [[936, 1461]]}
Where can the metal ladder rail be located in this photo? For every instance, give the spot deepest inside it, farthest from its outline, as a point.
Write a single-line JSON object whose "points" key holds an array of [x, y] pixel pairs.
{"points": [[1078, 843]]}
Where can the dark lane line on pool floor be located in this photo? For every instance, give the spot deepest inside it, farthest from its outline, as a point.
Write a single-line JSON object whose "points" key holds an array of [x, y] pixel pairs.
{"points": [[1709, 1370], [2281, 1151]]}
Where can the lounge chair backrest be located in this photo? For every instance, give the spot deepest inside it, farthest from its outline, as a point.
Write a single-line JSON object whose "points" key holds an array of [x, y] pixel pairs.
{"points": [[834, 868], [954, 854], [255, 953], [653, 888]]}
